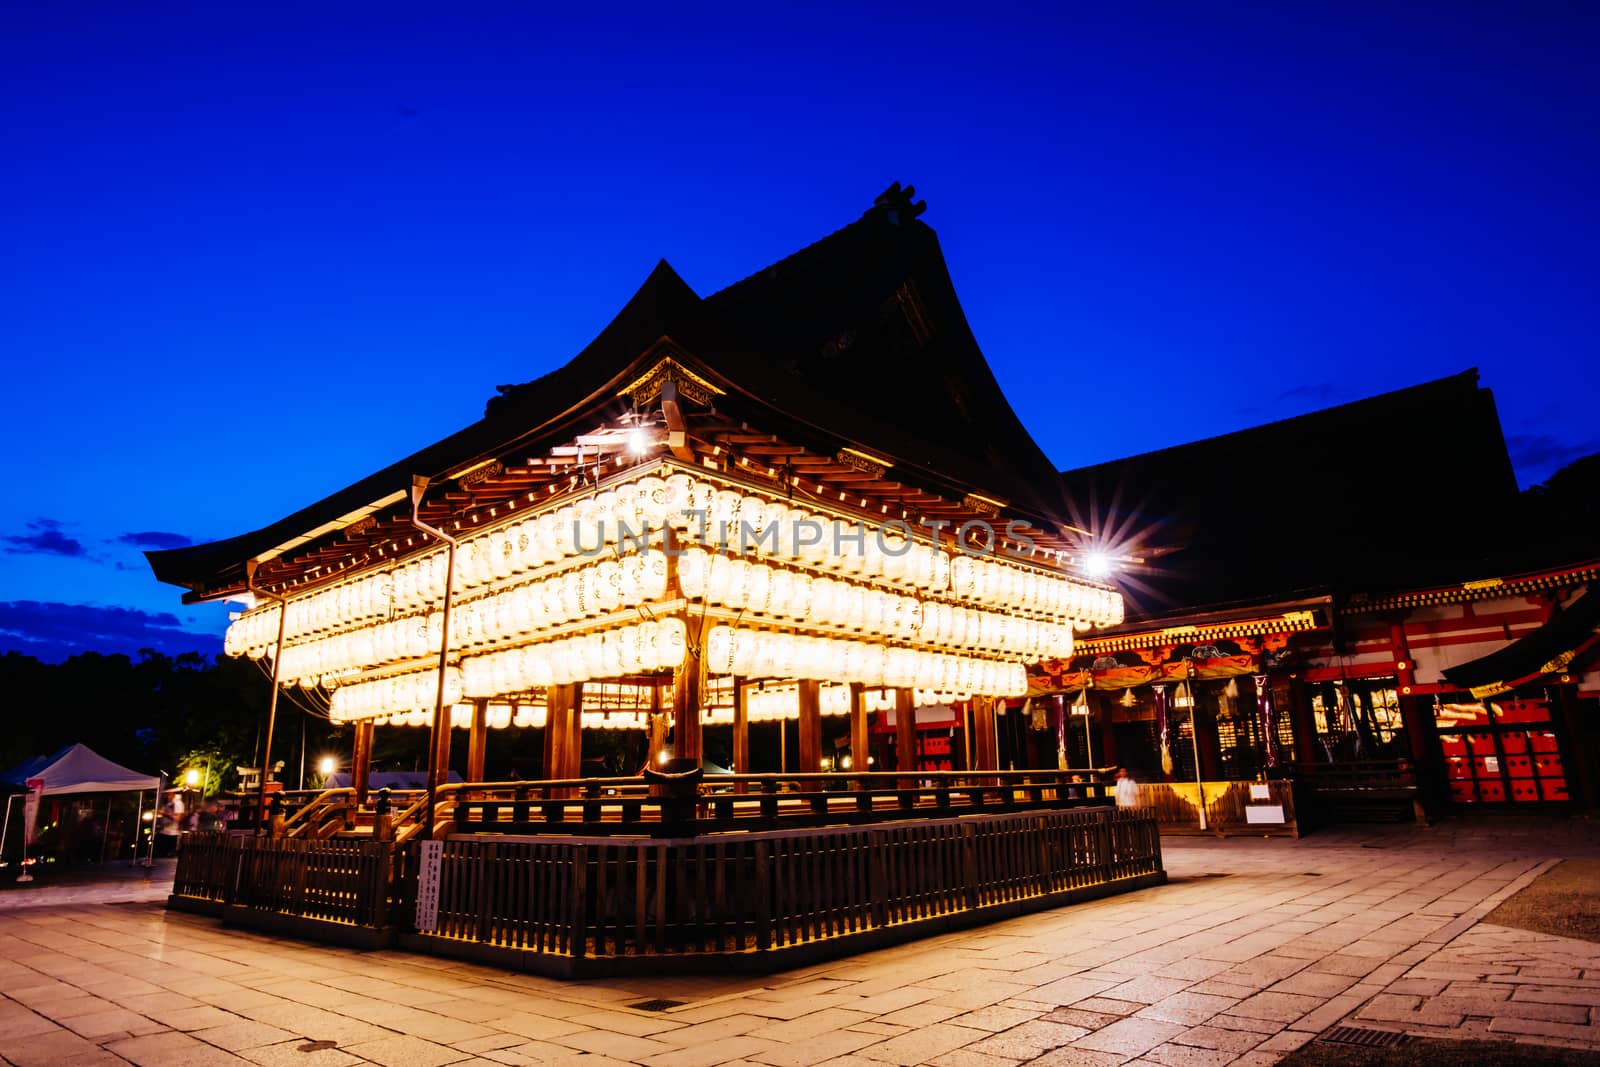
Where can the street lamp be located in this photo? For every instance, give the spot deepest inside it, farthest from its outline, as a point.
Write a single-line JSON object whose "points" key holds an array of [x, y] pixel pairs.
{"points": [[325, 767]]}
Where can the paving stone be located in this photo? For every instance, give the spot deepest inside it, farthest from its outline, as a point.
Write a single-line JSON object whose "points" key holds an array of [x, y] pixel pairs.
{"points": [[1029, 1040], [1187, 1056], [1216, 1037], [173, 1049], [918, 1046], [403, 1050], [1131, 1037], [1188, 1008]]}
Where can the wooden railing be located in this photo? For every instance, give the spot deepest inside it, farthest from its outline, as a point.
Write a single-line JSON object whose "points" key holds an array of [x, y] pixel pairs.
{"points": [[1364, 790], [339, 881], [597, 806], [605, 897]]}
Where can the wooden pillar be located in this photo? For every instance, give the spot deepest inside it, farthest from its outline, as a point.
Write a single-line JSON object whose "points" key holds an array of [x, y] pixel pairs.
{"points": [[741, 731], [905, 734], [478, 741], [563, 731], [1205, 727], [961, 743], [1427, 759], [1106, 755], [1302, 722], [1577, 754], [361, 760], [985, 736], [860, 735], [439, 757], [658, 727], [810, 727], [688, 683]]}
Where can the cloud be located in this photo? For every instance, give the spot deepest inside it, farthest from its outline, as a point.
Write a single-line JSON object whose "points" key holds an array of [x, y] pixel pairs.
{"points": [[1316, 392], [1545, 452], [45, 539], [156, 539], [53, 631]]}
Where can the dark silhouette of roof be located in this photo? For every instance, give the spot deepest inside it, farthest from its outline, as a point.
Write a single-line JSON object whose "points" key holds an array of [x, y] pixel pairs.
{"points": [[1404, 488], [858, 339]]}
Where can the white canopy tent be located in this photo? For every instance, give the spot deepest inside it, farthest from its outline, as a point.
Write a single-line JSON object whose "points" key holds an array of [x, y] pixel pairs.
{"points": [[79, 769], [74, 770]]}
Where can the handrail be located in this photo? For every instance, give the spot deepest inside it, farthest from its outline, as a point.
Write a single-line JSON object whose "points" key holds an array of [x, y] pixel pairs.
{"points": [[317, 803]]}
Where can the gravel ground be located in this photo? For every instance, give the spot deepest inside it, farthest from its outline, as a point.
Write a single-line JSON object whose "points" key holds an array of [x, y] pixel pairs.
{"points": [[1564, 901]]}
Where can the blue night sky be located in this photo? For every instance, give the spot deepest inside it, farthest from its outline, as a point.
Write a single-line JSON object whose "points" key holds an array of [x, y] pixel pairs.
{"points": [[252, 254]]}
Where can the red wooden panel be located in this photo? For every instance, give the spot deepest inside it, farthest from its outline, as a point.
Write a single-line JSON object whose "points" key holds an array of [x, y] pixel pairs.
{"points": [[1522, 711], [1459, 768], [1491, 792], [1549, 766], [1463, 792], [1524, 791], [1553, 789], [1514, 741], [1487, 766], [1453, 745], [1544, 741], [1481, 742], [1519, 767]]}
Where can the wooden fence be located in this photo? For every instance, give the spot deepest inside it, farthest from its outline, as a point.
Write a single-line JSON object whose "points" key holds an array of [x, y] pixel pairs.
{"points": [[598, 905], [340, 881]]}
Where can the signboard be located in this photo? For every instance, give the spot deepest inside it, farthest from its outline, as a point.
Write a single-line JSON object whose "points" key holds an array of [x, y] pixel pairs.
{"points": [[1260, 791], [431, 862], [1263, 813], [30, 809]]}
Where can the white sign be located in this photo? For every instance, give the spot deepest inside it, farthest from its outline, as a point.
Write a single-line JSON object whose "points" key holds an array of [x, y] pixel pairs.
{"points": [[431, 862], [1260, 791], [30, 808], [1263, 813]]}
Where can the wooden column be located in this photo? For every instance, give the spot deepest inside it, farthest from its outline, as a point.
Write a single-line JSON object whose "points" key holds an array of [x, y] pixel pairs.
{"points": [[1577, 755], [658, 726], [741, 730], [563, 731], [688, 682], [1302, 722], [478, 740], [439, 757], [860, 735], [361, 760], [1106, 755], [961, 743], [905, 734], [1205, 726], [1422, 744], [810, 727], [985, 737]]}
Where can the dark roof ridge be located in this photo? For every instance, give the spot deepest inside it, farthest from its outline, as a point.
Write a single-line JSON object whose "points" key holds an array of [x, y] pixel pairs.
{"points": [[1468, 376]]}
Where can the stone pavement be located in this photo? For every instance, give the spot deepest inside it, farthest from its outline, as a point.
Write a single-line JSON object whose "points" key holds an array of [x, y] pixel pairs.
{"points": [[1255, 947]]}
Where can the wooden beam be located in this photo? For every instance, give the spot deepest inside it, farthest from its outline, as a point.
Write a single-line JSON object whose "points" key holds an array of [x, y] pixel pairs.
{"points": [[810, 726], [361, 760], [477, 740], [677, 427], [860, 738], [741, 729], [905, 735], [688, 682]]}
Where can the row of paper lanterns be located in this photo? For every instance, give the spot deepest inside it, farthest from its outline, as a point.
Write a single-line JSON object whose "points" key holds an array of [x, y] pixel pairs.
{"points": [[526, 610], [586, 527]]}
